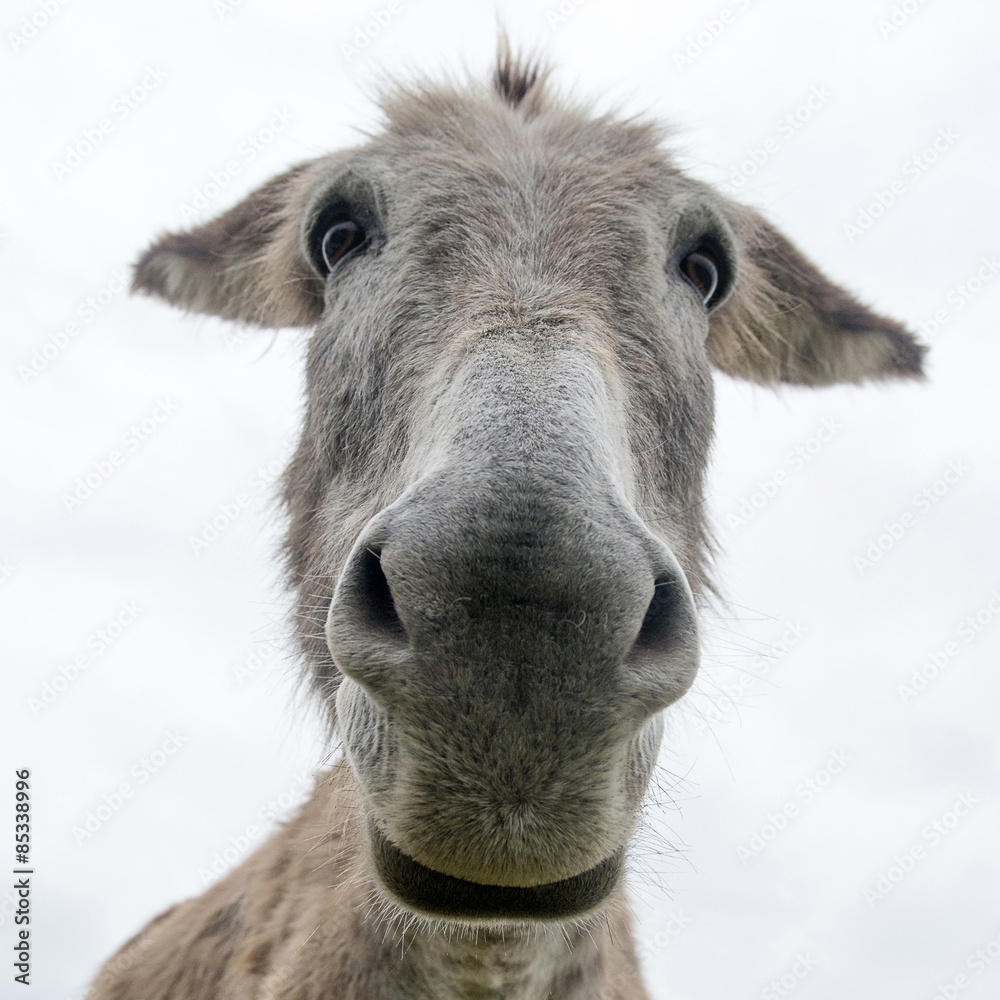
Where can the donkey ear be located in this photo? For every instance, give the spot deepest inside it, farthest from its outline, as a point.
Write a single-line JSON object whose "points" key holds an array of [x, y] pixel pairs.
{"points": [[786, 322], [246, 264]]}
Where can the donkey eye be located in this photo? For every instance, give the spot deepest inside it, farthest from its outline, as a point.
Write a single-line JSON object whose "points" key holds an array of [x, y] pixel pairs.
{"points": [[702, 274], [339, 242]]}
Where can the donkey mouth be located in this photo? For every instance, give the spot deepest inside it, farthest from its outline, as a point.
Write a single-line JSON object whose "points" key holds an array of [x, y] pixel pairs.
{"points": [[435, 894]]}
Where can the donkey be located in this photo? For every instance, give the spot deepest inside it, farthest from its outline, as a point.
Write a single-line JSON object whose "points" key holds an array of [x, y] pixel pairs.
{"points": [[496, 537]]}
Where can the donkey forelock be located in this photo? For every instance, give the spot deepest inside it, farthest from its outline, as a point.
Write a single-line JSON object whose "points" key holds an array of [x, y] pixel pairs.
{"points": [[516, 76]]}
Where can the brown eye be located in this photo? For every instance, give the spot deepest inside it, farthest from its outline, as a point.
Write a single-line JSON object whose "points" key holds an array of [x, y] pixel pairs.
{"points": [[702, 274], [339, 242]]}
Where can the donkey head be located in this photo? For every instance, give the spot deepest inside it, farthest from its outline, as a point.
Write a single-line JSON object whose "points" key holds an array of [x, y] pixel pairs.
{"points": [[496, 528]]}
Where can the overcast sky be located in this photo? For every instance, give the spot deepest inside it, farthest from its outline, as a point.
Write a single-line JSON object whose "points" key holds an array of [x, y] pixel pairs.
{"points": [[833, 821]]}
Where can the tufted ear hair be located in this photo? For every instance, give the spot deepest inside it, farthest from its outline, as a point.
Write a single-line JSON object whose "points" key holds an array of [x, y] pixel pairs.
{"points": [[246, 264], [786, 322]]}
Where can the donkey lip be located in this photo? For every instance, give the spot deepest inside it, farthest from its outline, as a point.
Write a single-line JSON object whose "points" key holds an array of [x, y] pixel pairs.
{"points": [[432, 893]]}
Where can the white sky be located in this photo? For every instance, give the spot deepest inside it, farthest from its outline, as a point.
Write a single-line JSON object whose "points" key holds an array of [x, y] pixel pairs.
{"points": [[220, 406]]}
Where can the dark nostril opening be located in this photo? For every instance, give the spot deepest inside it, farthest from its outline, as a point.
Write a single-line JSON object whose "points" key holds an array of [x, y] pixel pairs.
{"points": [[659, 625], [374, 596]]}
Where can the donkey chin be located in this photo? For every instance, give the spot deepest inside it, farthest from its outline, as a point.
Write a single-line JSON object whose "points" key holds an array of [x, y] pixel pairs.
{"points": [[553, 853], [500, 705]]}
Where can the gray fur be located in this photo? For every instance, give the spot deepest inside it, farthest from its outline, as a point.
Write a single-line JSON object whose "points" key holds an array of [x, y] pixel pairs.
{"points": [[509, 414]]}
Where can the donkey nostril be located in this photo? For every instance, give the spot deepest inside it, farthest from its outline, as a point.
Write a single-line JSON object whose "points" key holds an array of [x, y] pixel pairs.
{"points": [[659, 625], [374, 596], [663, 660]]}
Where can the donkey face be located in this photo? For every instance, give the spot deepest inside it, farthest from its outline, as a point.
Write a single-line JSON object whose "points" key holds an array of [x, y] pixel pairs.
{"points": [[496, 505]]}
